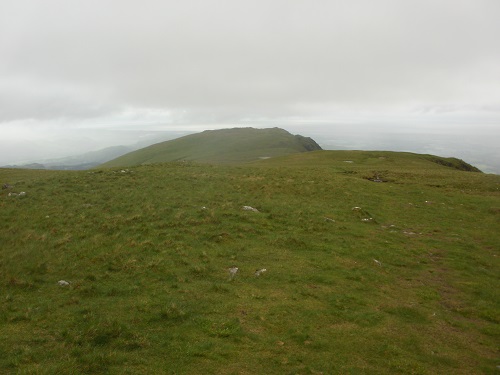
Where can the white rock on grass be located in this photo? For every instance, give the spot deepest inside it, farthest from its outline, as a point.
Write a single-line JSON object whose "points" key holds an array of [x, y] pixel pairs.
{"points": [[21, 194], [233, 271], [260, 272], [63, 283], [249, 208]]}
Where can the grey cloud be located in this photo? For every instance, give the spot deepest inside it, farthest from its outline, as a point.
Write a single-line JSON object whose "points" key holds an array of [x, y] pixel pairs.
{"points": [[262, 56], [33, 104]]}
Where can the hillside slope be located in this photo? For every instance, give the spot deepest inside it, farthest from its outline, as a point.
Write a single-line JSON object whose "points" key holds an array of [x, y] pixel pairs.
{"points": [[236, 145], [371, 159], [376, 263]]}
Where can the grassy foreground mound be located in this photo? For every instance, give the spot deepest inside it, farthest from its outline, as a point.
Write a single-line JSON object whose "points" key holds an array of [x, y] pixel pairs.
{"points": [[224, 146], [376, 263]]}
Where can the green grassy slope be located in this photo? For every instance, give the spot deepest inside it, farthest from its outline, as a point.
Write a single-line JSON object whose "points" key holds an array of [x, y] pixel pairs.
{"points": [[405, 284], [369, 159], [220, 146]]}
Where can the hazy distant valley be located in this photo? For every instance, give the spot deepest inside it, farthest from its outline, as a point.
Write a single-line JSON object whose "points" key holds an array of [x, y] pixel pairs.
{"points": [[132, 140]]}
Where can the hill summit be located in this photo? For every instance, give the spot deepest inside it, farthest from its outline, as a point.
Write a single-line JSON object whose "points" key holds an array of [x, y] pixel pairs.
{"points": [[224, 146]]}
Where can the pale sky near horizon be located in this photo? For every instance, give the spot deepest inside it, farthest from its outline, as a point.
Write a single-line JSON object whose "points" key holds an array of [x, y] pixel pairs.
{"points": [[71, 68]]}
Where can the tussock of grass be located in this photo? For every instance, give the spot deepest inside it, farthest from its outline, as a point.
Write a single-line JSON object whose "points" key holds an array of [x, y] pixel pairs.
{"points": [[147, 254]]}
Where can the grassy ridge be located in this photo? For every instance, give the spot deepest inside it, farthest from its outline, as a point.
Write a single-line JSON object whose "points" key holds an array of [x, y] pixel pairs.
{"points": [[147, 251], [220, 146]]}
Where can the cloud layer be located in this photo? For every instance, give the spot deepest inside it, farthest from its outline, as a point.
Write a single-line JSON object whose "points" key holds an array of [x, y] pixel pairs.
{"points": [[226, 60]]}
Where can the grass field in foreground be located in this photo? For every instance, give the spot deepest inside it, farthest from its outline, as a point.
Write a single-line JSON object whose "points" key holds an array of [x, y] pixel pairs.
{"points": [[406, 283]]}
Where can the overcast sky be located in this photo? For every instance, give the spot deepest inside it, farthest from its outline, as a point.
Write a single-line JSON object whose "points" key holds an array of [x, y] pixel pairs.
{"points": [[68, 67]]}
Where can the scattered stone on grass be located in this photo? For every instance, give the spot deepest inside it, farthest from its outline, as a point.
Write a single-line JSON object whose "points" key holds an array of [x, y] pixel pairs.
{"points": [[330, 220], [233, 271], [21, 194], [376, 178], [364, 215], [377, 262], [249, 208], [63, 283], [123, 171], [260, 272]]}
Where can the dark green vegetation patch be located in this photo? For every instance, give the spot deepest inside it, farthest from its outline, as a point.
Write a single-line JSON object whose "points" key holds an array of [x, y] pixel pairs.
{"points": [[126, 271]]}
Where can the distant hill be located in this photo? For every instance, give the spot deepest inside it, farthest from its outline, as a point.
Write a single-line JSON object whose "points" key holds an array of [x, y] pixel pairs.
{"points": [[225, 146]]}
